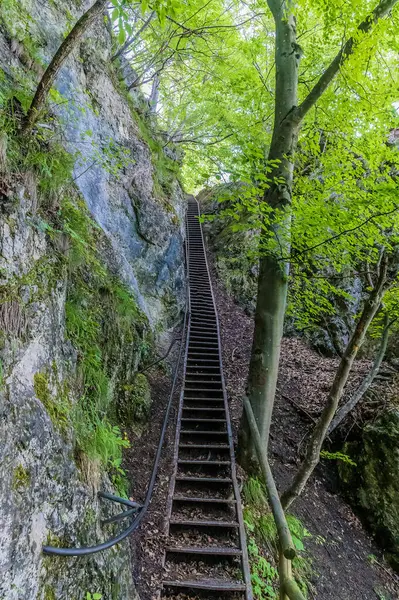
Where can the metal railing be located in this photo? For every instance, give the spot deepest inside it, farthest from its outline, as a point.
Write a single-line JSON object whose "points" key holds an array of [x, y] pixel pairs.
{"points": [[289, 589]]}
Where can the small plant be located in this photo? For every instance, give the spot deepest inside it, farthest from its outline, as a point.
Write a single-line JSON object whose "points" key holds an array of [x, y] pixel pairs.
{"points": [[95, 596], [337, 456], [263, 575], [263, 542], [21, 478]]}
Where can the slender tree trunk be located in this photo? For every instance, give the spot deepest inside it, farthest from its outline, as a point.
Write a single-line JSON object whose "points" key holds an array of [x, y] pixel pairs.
{"points": [[341, 377], [368, 380], [153, 101], [134, 37], [273, 273], [67, 46]]}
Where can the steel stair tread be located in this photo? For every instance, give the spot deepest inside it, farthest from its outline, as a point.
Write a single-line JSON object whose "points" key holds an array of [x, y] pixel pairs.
{"points": [[187, 461], [201, 550], [203, 479], [204, 500], [205, 408], [202, 432], [205, 523], [194, 420], [205, 446], [207, 584]]}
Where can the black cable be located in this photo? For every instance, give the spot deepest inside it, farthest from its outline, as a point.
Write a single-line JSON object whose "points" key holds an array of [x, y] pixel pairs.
{"points": [[120, 516], [118, 499]]}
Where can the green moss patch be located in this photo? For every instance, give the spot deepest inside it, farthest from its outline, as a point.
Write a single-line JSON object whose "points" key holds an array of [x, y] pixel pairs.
{"points": [[111, 336], [58, 406], [21, 478], [135, 401]]}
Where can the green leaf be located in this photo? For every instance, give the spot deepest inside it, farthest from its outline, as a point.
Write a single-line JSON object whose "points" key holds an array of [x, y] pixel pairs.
{"points": [[121, 36], [298, 543]]}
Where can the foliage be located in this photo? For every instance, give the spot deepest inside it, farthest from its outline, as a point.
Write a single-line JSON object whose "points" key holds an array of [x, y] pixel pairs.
{"points": [[42, 155], [121, 15], [19, 23], [337, 456], [101, 314], [94, 596], [135, 401], [58, 407], [217, 102], [101, 318], [264, 576]]}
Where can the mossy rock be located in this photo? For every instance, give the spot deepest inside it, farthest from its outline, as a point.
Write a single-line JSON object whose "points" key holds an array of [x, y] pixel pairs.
{"points": [[373, 484], [58, 407], [21, 478], [135, 401]]}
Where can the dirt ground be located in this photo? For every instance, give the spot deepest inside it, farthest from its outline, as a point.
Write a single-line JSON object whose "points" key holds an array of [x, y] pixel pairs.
{"points": [[340, 548]]}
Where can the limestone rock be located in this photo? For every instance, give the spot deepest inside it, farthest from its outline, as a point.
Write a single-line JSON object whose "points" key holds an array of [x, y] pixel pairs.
{"points": [[373, 484]]}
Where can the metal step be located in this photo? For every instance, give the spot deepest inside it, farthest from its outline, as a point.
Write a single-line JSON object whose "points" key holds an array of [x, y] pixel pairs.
{"points": [[207, 550], [204, 446], [207, 585], [196, 500], [198, 523], [201, 480]]}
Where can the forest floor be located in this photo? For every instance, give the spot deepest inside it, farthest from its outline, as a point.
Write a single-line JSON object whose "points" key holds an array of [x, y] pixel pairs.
{"points": [[346, 562]]}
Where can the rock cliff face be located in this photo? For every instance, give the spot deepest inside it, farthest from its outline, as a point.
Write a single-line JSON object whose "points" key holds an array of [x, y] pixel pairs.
{"points": [[373, 484], [91, 270], [234, 250]]}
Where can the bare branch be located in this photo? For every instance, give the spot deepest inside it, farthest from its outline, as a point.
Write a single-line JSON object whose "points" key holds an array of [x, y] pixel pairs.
{"points": [[133, 38]]}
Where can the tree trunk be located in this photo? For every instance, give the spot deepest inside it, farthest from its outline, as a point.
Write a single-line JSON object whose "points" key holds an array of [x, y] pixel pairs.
{"points": [[368, 380], [153, 100], [58, 60], [320, 431], [273, 273], [134, 37]]}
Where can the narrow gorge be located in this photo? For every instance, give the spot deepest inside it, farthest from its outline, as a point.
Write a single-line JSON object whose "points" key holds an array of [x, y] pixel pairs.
{"points": [[199, 296]]}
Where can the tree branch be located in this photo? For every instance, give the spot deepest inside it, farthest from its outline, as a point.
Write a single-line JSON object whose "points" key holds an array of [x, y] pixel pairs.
{"points": [[65, 49], [368, 380], [297, 253], [381, 10], [134, 37]]}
